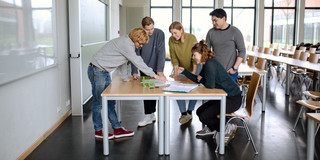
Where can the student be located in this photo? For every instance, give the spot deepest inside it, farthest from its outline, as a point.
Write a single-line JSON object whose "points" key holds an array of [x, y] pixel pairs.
{"points": [[180, 45], [153, 54], [214, 75], [115, 55], [227, 42]]}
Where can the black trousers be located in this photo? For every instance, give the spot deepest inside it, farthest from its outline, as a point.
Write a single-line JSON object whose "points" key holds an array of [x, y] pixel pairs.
{"points": [[149, 105], [208, 111]]}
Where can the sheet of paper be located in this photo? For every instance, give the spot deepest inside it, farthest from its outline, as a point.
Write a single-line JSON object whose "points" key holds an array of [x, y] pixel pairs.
{"points": [[180, 87]]}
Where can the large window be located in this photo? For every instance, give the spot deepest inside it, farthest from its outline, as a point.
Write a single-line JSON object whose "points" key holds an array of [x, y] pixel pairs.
{"points": [[242, 15], [161, 13], [196, 18], [279, 22], [26, 38], [312, 22]]}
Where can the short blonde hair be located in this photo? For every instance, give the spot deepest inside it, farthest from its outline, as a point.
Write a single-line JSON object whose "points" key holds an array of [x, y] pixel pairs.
{"points": [[139, 35]]}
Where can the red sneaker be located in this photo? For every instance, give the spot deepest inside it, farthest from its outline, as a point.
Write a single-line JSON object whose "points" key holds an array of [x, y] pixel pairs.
{"points": [[98, 134], [122, 132]]}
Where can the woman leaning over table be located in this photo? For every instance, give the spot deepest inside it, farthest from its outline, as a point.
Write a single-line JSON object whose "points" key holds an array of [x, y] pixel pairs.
{"points": [[180, 44], [214, 75], [114, 56]]}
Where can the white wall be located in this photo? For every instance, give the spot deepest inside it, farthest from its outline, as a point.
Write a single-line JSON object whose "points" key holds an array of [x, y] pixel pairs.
{"points": [[29, 105]]}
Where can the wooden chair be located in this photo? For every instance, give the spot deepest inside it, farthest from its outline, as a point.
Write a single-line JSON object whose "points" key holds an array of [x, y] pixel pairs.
{"points": [[254, 48], [251, 61], [261, 49], [296, 54], [312, 94], [267, 51], [313, 105], [247, 111], [299, 73], [303, 48], [312, 50], [272, 64], [309, 74]]}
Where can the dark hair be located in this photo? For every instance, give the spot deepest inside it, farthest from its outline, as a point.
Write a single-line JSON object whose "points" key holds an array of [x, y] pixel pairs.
{"points": [[204, 50], [146, 21], [220, 13]]}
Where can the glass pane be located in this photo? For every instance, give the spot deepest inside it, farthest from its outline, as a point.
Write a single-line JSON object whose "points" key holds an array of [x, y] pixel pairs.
{"points": [[227, 3], [284, 3], [201, 22], [41, 3], [283, 26], [186, 3], [161, 3], [186, 19], [312, 26], [162, 19], [228, 11], [202, 3], [26, 37], [267, 27], [243, 3], [312, 3], [268, 3], [93, 13], [246, 27]]}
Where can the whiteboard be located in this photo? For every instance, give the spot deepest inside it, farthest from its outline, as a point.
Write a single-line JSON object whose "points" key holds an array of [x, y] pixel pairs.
{"points": [[26, 38]]}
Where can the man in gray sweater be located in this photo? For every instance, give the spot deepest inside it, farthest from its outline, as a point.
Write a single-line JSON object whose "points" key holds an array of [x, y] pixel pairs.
{"points": [[227, 42], [153, 54], [114, 56]]}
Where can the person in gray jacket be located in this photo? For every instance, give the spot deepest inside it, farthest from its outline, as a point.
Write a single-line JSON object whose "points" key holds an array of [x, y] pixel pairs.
{"points": [[153, 54], [227, 42], [114, 56]]}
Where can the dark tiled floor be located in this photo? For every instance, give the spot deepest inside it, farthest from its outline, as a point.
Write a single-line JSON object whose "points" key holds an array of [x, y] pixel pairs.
{"points": [[74, 139]]}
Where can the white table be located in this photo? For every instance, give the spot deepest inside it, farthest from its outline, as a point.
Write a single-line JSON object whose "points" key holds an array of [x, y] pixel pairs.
{"points": [[312, 118], [134, 90]]}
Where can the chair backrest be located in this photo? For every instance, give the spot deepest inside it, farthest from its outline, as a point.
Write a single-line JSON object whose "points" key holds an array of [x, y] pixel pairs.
{"points": [[314, 58], [245, 58], [292, 48], [271, 46], [286, 47], [267, 51], [254, 48], [296, 54], [260, 50], [303, 48], [261, 64], [312, 50], [252, 91], [251, 60], [304, 56], [276, 52]]}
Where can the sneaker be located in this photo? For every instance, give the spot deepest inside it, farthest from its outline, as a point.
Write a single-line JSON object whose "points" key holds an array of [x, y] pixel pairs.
{"points": [[122, 132], [206, 132], [230, 133], [98, 134], [185, 118], [148, 119]]}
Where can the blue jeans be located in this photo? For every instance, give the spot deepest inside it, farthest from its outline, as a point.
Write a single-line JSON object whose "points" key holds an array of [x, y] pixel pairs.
{"points": [[182, 105], [234, 76], [100, 79]]}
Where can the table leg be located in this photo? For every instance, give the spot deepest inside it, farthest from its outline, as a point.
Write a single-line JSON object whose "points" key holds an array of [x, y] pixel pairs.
{"points": [[310, 140], [167, 125], [288, 79], [105, 125], [222, 124], [161, 125], [264, 92]]}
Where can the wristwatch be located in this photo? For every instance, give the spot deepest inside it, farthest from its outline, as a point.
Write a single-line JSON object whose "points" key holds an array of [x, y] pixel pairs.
{"points": [[234, 69]]}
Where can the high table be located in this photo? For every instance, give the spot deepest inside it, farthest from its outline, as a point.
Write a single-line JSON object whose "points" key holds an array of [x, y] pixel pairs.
{"points": [[246, 70], [134, 90], [290, 62], [131, 90], [312, 118]]}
